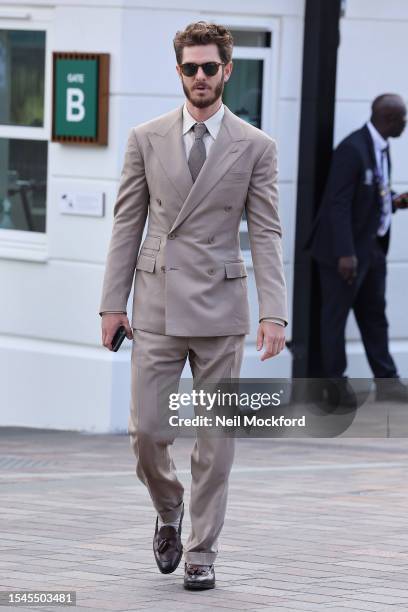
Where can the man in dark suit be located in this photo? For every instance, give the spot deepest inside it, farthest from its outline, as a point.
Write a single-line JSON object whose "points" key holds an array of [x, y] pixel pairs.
{"points": [[350, 241]]}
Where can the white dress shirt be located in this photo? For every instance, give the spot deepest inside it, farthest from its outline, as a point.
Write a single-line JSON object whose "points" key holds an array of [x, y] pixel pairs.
{"points": [[212, 124], [382, 167]]}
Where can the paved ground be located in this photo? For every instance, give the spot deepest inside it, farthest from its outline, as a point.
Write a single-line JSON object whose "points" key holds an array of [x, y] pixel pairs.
{"points": [[312, 525]]}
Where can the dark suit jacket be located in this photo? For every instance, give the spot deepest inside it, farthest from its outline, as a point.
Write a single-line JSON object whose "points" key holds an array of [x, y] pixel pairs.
{"points": [[349, 215]]}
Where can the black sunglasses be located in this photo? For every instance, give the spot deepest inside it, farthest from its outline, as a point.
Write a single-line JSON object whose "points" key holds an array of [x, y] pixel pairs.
{"points": [[209, 68]]}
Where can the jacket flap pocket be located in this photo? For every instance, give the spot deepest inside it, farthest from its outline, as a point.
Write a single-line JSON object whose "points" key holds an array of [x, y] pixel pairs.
{"points": [[235, 270], [146, 263], [152, 242], [239, 173], [236, 176]]}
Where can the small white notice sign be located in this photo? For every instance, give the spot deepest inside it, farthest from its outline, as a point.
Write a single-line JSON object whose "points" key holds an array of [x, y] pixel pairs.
{"points": [[82, 203]]}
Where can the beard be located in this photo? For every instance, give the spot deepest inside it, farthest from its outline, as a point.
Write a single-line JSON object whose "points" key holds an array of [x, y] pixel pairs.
{"points": [[204, 102]]}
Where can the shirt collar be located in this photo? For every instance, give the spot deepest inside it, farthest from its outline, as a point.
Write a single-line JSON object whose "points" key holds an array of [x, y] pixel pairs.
{"points": [[379, 142], [212, 124]]}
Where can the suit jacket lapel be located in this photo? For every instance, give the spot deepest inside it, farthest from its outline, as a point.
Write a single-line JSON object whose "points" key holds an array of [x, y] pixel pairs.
{"points": [[169, 147], [371, 148], [373, 158], [227, 148]]}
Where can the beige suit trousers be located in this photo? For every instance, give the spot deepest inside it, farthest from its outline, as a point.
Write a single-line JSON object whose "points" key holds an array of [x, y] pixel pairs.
{"points": [[157, 363]]}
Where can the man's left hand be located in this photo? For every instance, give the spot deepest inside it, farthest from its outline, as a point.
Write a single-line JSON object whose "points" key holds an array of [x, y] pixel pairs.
{"points": [[401, 201], [271, 336]]}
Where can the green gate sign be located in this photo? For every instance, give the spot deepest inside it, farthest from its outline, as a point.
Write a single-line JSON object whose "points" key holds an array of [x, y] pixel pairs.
{"points": [[80, 94]]}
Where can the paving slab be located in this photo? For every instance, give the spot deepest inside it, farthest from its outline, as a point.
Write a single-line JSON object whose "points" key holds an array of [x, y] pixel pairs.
{"points": [[312, 524]]}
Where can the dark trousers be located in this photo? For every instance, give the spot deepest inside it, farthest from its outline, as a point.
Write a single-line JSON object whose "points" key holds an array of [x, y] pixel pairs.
{"points": [[366, 296]]}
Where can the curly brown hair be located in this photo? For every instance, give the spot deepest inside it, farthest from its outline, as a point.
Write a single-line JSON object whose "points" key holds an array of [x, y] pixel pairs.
{"points": [[204, 33]]}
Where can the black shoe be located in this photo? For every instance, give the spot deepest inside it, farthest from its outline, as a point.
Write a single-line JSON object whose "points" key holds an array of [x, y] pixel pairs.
{"points": [[167, 546], [391, 390], [340, 393], [198, 577]]}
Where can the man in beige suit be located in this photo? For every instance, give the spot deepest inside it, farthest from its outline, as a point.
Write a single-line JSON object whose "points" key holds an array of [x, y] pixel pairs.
{"points": [[192, 172]]}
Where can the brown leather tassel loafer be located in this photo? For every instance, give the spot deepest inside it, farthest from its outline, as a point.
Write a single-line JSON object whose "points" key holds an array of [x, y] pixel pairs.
{"points": [[199, 577], [167, 546]]}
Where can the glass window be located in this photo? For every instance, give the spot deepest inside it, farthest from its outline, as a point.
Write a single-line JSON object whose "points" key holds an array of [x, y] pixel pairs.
{"points": [[22, 69], [243, 92], [244, 239], [23, 173], [248, 38], [23, 156]]}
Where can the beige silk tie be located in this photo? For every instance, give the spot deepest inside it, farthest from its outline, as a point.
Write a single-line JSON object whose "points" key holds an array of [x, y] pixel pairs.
{"points": [[197, 155]]}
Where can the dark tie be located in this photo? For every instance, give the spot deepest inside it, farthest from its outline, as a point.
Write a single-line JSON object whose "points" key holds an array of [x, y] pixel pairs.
{"points": [[197, 155]]}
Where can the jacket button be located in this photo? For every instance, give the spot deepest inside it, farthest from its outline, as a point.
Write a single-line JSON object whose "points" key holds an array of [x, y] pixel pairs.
{"points": [[163, 268], [158, 200], [227, 208], [172, 236], [211, 271], [210, 239]]}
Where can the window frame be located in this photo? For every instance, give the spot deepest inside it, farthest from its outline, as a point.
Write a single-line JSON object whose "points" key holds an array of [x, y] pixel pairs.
{"points": [[25, 244]]}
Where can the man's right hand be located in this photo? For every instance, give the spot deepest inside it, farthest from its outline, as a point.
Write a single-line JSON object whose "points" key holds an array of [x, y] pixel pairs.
{"points": [[111, 321], [347, 268]]}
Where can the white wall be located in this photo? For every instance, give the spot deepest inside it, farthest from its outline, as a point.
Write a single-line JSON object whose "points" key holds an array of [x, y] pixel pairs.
{"points": [[51, 362], [371, 61]]}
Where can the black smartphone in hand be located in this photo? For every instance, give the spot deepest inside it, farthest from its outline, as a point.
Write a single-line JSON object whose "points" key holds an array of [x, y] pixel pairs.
{"points": [[118, 338]]}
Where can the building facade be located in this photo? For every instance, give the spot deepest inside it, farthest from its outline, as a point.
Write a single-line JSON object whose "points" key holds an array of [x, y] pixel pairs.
{"points": [[53, 367]]}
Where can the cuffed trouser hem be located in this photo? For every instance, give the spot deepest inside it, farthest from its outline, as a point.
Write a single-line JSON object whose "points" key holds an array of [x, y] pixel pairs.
{"points": [[172, 515], [200, 558]]}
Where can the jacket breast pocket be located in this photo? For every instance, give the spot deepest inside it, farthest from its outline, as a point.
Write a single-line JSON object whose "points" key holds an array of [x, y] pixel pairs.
{"points": [[235, 270], [236, 177]]}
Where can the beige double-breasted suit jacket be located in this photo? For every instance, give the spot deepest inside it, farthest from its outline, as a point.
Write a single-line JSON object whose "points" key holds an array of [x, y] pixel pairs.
{"points": [[189, 276]]}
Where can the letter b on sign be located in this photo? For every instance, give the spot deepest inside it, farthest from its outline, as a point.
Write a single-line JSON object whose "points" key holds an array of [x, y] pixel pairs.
{"points": [[75, 104]]}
